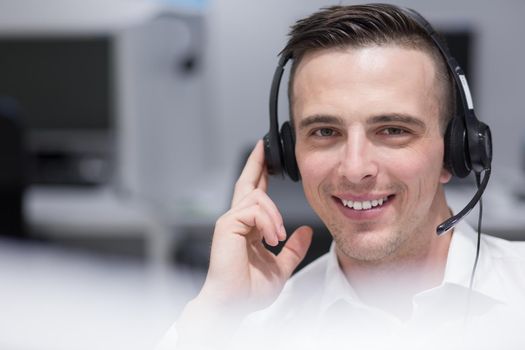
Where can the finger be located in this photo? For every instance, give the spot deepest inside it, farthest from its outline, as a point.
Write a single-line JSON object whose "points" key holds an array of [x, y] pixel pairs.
{"points": [[269, 207], [256, 217], [295, 249], [251, 174], [261, 198], [263, 180]]}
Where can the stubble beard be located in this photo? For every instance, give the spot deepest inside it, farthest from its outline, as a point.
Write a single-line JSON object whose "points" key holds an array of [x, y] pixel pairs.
{"points": [[362, 244], [369, 243]]}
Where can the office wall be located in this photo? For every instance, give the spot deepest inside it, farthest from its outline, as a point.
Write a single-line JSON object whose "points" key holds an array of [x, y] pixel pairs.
{"points": [[245, 37]]}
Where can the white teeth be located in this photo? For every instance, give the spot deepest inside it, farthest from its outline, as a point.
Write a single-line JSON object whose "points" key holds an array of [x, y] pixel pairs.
{"points": [[364, 205]]}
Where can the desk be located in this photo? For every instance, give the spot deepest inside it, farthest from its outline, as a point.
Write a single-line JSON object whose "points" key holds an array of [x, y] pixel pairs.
{"points": [[53, 298], [58, 212]]}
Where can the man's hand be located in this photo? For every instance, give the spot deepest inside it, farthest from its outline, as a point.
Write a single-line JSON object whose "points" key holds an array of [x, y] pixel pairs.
{"points": [[241, 269], [244, 276]]}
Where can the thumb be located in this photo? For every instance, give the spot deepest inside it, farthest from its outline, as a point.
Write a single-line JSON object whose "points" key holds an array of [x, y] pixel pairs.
{"points": [[295, 249]]}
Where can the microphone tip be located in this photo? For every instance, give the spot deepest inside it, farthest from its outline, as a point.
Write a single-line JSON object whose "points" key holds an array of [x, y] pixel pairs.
{"points": [[442, 229]]}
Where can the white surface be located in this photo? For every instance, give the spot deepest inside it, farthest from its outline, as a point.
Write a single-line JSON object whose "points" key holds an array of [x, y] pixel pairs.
{"points": [[74, 211], [68, 212], [53, 299], [98, 212]]}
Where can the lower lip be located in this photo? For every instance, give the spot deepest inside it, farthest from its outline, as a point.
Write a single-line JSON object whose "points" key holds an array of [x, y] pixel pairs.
{"points": [[365, 214]]}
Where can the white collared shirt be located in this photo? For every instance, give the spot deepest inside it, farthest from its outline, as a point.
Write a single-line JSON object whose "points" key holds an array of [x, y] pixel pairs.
{"points": [[319, 309]]}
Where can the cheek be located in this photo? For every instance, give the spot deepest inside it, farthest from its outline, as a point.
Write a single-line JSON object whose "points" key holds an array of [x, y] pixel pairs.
{"points": [[423, 168], [315, 168]]}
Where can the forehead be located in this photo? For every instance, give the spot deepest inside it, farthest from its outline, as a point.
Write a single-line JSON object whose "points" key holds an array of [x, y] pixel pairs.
{"points": [[362, 82]]}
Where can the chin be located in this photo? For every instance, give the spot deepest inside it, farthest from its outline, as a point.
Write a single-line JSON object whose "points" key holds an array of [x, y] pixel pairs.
{"points": [[369, 246]]}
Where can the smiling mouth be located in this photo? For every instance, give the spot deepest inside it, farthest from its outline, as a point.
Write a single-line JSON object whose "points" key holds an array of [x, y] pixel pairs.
{"points": [[364, 205]]}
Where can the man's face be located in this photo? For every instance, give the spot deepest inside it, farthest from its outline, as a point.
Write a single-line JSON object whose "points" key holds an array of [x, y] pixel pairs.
{"points": [[369, 147]]}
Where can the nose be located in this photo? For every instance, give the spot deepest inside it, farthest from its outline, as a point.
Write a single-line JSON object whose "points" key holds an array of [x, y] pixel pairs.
{"points": [[358, 163]]}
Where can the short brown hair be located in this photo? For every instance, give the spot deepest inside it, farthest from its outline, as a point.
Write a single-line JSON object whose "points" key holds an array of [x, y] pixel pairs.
{"points": [[365, 25]]}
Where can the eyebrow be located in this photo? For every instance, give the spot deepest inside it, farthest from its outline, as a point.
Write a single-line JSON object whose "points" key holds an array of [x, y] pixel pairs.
{"points": [[378, 119], [398, 118], [320, 119]]}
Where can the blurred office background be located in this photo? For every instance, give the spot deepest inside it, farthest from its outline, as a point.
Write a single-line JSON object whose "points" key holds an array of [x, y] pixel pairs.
{"points": [[123, 126]]}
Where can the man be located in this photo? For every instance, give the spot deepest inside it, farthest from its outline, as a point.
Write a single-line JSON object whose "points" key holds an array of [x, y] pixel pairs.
{"points": [[370, 100]]}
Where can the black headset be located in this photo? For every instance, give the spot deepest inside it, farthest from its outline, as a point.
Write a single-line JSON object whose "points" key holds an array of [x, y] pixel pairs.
{"points": [[468, 141]]}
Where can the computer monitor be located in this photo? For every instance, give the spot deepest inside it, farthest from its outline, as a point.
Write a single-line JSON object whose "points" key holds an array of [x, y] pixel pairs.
{"points": [[63, 86]]}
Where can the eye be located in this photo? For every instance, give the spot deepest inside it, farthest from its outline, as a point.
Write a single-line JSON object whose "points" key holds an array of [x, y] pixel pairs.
{"points": [[324, 132], [393, 131]]}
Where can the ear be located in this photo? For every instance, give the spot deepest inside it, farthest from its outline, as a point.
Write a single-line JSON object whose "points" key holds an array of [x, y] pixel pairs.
{"points": [[445, 176]]}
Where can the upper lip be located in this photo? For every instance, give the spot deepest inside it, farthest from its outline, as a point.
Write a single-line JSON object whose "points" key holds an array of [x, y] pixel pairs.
{"points": [[362, 197]]}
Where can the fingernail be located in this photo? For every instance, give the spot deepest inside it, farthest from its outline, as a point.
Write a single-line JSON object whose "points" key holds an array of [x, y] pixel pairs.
{"points": [[270, 242], [282, 232]]}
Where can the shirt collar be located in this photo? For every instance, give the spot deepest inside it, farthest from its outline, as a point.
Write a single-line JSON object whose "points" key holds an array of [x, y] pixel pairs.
{"points": [[460, 261], [461, 255]]}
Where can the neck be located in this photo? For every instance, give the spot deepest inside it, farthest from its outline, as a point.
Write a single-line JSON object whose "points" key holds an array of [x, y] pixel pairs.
{"points": [[391, 283]]}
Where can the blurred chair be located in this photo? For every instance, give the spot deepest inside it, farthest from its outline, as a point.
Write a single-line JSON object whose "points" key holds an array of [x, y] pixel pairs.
{"points": [[12, 170]]}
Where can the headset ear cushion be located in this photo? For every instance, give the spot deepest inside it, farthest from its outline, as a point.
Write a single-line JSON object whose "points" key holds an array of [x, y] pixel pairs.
{"points": [[457, 159], [290, 163]]}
